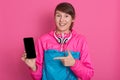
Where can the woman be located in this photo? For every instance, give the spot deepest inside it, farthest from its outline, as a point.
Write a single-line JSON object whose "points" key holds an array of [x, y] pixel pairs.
{"points": [[62, 54]]}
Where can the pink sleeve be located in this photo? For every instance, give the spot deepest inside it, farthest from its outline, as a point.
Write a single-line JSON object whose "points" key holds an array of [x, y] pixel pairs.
{"points": [[37, 75], [83, 68]]}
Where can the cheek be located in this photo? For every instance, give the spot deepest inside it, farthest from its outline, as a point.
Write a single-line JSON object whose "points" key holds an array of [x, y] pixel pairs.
{"points": [[57, 19], [56, 22], [69, 19], [69, 22]]}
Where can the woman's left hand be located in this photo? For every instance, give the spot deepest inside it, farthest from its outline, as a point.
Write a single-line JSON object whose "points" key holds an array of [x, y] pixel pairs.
{"points": [[67, 61]]}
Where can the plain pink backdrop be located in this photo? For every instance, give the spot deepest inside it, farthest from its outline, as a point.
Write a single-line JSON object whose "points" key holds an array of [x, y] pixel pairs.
{"points": [[98, 20]]}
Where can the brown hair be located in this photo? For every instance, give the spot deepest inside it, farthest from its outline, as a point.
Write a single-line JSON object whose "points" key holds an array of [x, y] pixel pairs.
{"points": [[66, 8]]}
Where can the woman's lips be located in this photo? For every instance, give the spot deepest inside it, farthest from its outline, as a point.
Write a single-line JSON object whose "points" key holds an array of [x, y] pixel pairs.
{"points": [[62, 24]]}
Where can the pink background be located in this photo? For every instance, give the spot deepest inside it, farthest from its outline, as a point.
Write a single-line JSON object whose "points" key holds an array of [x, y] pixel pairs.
{"points": [[98, 20]]}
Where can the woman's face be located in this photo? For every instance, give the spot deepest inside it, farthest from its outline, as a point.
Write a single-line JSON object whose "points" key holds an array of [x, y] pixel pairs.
{"points": [[63, 21]]}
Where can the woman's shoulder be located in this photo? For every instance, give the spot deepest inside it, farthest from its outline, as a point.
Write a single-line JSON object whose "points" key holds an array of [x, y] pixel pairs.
{"points": [[78, 35], [46, 36]]}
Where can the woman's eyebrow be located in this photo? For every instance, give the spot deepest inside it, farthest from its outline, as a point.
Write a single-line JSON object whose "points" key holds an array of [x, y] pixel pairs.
{"points": [[57, 13]]}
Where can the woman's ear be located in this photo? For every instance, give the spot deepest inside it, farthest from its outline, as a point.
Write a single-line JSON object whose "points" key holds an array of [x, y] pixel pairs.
{"points": [[73, 20]]}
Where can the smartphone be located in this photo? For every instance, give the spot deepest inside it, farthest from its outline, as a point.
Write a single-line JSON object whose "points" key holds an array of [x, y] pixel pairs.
{"points": [[29, 47]]}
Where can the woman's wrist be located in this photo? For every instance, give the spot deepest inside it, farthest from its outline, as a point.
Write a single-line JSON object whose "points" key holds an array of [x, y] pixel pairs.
{"points": [[34, 68]]}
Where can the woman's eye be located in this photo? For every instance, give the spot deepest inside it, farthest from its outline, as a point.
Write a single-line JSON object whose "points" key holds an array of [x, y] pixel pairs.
{"points": [[57, 15], [66, 16]]}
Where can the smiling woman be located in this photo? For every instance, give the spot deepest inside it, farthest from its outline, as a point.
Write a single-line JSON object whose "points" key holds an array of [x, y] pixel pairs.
{"points": [[62, 54], [64, 14], [63, 21]]}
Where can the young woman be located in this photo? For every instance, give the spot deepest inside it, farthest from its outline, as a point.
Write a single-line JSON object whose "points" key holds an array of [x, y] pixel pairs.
{"points": [[62, 54]]}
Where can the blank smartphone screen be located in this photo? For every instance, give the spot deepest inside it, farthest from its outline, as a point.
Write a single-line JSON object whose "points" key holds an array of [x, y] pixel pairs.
{"points": [[29, 47]]}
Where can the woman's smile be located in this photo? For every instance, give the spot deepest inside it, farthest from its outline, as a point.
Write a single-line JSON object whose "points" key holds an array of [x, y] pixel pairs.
{"points": [[62, 24]]}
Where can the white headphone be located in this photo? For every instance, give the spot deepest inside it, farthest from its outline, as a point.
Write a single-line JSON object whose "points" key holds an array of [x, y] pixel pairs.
{"points": [[62, 40]]}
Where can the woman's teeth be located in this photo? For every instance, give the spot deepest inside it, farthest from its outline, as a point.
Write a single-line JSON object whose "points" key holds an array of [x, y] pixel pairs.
{"points": [[62, 24]]}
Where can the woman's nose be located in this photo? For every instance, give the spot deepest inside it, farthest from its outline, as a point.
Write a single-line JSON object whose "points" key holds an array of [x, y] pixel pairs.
{"points": [[62, 19]]}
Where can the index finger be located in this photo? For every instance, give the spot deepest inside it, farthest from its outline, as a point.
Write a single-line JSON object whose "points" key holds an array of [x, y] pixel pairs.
{"points": [[59, 58]]}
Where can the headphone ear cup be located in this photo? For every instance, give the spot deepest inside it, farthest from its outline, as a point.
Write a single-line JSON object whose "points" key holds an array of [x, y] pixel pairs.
{"points": [[65, 40], [59, 40]]}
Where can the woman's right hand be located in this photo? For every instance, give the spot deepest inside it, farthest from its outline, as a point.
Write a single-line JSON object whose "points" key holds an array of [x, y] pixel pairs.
{"points": [[29, 62]]}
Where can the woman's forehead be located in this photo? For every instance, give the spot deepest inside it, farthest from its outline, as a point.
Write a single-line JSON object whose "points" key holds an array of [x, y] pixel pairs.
{"points": [[60, 12]]}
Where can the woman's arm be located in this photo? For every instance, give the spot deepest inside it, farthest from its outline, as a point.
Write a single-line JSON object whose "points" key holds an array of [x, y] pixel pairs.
{"points": [[83, 68], [37, 74]]}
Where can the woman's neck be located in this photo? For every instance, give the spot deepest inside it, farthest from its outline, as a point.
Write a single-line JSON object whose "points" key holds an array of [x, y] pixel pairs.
{"points": [[62, 32]]}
